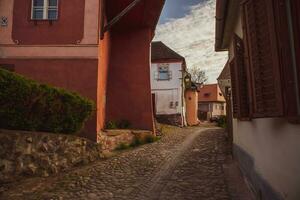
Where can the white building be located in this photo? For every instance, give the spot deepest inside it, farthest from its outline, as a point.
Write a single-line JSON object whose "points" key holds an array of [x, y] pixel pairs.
{"points": [[262, 38], [167, 71]]}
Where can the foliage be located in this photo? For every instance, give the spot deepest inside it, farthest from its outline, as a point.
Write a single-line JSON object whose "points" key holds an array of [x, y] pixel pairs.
{"points": [[123, 146], [222, 121], [198, 75], [28, 105], [122, 124], [137, 142], [111, 125], [151, 139]]}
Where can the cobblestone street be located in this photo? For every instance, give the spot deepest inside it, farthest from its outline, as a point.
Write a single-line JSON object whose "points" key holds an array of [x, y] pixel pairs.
{"points": [[185, 164]]}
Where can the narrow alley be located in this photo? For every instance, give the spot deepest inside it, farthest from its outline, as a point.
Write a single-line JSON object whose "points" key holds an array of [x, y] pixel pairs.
{"points": [[187, 163]]}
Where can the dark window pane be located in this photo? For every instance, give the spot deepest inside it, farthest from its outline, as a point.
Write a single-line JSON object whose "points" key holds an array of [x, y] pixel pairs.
{"points": [[38, 2], [52, 2], [37, 14], [52, 14]]}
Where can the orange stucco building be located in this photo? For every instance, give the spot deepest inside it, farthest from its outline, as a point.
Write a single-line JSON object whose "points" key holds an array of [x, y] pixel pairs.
{"points": [[91, 47]]}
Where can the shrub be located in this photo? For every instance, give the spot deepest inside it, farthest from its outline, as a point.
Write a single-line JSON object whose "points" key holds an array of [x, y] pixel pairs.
{"points": [[28, 105], [122, 146], [222, 121], [122, 124], [111, 125]]}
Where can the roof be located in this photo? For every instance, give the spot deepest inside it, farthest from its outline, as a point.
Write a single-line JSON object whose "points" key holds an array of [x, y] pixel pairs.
{"points": [[210, 93], [160, 51], [225, 74], [226, 16]]}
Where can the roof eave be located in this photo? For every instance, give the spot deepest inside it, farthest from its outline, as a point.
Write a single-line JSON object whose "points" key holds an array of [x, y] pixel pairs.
{"points": [[225, 23]]}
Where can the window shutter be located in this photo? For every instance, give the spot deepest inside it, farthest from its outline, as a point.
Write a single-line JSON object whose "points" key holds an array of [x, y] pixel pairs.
{"points": [[239, 81], [285, 46], [263, 58], [234, 91]]}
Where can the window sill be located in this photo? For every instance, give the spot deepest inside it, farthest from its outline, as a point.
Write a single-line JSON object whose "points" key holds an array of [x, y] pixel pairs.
{"points": [[43, 21], [163, 79]]}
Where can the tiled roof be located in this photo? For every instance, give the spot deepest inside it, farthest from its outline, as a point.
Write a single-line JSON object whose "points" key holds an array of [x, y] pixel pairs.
{"points": [[160, 51]]}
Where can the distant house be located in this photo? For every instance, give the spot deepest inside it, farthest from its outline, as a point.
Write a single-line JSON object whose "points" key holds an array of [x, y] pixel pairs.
{"points": [[211, 102], [167, 85], [262, 38], [98, 48]]}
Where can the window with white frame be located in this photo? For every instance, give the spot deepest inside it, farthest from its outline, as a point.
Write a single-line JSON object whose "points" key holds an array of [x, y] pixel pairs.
{"points": [[44, 10], [163, 72]]}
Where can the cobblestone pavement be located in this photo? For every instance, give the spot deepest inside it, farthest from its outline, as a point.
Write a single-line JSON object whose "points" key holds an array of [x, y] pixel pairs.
{"points": [[184, 164]]}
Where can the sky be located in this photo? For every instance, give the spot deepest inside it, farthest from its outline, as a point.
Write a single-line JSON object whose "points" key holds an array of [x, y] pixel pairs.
{"points": [[188, 27]]}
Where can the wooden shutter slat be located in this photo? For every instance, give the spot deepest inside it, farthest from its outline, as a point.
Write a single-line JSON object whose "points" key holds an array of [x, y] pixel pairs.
{"points": [[263, 58], [239, 81]]}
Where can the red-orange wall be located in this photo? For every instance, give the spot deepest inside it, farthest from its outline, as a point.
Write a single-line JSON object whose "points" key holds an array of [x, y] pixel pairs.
{"points": [[68, 29], [79, 75], [129, 91], [191, 102], [104, 55]]}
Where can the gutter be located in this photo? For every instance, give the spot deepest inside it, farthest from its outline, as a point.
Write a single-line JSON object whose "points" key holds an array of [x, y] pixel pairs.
{"points": [[221, 14]]}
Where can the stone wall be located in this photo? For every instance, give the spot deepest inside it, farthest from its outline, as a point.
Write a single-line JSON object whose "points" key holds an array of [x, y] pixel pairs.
{"points": [[41, 154], [111, 139], [175, 119]]}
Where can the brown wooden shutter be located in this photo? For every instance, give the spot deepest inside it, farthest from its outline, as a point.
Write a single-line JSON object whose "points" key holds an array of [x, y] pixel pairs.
{"points": [[239, 81], [289, 80], [263, 58], [234, 91]]}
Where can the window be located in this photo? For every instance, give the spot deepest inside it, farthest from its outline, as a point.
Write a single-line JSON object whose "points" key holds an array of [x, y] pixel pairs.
{"points": [[163, 72], [44, 10]]}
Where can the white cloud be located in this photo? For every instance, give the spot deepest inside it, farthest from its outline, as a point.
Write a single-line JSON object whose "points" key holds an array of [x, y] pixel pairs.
{"points": [[193, 37]]}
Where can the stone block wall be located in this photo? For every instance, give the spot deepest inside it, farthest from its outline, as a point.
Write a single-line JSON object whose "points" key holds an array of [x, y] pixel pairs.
{"points": [[175, 120], [41, 154], [111, 139]]}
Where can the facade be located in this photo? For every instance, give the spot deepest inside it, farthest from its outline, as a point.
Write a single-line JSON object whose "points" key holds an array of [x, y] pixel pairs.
{"points": [[81, 46], [262, 37], [167, 72], [211, 102]]}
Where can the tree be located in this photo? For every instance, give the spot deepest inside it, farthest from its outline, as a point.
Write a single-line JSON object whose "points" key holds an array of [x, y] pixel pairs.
{"points": [[198, 75]]}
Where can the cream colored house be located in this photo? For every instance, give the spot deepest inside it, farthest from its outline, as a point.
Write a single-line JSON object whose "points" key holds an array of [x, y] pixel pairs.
{"points": [[263, 41]]}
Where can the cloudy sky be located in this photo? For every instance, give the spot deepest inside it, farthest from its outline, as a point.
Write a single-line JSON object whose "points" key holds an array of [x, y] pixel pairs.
{"points": [[188, 27]]}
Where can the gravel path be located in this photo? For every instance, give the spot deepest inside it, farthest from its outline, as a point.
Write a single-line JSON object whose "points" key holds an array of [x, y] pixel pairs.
{"points": [[184, 164]]}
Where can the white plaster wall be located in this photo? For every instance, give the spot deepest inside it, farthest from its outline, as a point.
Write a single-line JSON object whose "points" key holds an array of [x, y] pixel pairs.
{"points": [[163, 99], [167, 90], [274, 144]]}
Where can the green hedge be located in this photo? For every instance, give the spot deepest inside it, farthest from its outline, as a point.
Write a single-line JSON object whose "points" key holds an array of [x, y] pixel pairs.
{"points": [[28, 105]]}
